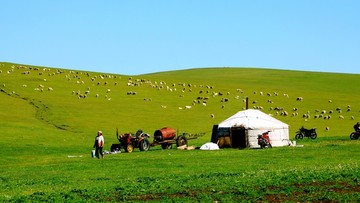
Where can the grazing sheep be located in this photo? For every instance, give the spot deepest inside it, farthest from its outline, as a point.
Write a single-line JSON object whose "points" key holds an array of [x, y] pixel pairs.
{"points": [[341, 117], [327, 128], [299, 99], [50, 89], [187, 107], [212, 115], [224, 100]]}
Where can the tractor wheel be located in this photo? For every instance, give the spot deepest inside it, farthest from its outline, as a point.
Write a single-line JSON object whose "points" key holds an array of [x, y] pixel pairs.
{"points": [[129, 148], [166, 146], [181, 140], [144, 145]]}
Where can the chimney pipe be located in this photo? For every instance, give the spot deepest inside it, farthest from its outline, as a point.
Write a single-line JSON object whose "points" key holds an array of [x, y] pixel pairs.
{"points": [[247, 103]]}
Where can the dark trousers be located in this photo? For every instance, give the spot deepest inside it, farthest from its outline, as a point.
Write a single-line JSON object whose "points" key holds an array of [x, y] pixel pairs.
{"points": [[97, 151]]}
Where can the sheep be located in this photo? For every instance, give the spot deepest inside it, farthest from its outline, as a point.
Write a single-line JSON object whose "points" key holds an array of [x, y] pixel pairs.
{"points": [[341, 117], [212, 115], [299, 99], [187, 107], [50, 89], [224, 100]]}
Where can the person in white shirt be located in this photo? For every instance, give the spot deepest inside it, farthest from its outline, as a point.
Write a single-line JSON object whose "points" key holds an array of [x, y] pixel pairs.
{"points": [[99, 144]]}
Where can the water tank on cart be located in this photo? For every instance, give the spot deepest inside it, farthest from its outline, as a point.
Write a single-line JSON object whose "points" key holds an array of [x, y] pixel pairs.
{"points": [[164, 134]]}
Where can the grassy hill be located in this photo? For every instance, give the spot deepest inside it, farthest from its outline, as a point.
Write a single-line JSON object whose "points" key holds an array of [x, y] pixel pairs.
{"points": [[84, 102], [49, 113]]}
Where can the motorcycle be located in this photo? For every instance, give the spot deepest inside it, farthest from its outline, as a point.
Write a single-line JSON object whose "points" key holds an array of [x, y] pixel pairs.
{"points": [[264, 140], [355, 135], [303, 132]]}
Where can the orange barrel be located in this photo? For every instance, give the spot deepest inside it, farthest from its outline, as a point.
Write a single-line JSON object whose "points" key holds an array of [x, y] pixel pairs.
{"points": [[164, 134]]}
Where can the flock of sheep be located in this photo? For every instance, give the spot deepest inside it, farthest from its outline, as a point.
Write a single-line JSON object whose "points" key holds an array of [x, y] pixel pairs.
{"points": [[104, 84]]}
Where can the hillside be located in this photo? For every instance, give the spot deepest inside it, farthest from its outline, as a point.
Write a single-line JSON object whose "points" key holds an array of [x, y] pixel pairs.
{"points": [[83, 102]]}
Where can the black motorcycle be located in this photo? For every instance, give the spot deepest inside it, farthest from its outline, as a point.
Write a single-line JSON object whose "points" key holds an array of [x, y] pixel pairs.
{"points": [[303, 132]]}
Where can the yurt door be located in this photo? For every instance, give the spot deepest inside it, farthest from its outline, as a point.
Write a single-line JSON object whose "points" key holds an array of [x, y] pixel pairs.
{"points": [[238, 137]]}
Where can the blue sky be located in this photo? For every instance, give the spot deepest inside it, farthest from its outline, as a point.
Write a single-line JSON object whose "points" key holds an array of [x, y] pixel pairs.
{"points": [[145, 36]]}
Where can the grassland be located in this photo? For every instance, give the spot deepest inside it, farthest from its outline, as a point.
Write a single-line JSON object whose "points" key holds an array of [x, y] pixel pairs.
{"points": [[49, 120]]}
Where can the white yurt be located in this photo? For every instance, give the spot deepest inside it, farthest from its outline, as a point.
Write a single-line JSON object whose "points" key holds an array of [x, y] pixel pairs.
{"points": [[241, 130]]}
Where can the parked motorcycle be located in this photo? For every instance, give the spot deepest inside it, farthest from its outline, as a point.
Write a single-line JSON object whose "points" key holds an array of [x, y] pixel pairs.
{"points": [[303, 132], [264, 140], [356, 134]]}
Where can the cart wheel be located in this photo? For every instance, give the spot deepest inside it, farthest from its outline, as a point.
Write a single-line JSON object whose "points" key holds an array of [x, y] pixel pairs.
{"points": [[166, 146], [129, 148], [181, 140], [144, 145]]}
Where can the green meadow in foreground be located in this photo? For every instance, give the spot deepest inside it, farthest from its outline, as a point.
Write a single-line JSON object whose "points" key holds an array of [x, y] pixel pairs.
{"points": [[49, 118]]}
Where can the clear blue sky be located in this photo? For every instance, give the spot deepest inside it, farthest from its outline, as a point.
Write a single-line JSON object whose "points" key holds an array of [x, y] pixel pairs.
{"points": [[146, 36]]}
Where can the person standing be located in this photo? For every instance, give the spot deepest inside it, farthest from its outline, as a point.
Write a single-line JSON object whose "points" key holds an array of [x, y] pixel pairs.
{"points": [[99, 144]]}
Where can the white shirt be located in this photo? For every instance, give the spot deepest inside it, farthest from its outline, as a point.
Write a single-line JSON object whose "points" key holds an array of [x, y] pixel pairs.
{"points": [[100, 140]]}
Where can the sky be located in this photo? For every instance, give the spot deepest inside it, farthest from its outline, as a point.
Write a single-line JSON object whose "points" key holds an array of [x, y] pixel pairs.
{"points": [[146, 36]]}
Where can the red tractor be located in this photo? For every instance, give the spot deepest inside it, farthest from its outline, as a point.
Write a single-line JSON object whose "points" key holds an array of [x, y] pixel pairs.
{"points": [[129, 142]]}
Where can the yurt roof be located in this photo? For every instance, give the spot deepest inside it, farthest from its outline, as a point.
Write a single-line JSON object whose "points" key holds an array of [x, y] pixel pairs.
{"points": [[252, 119]]}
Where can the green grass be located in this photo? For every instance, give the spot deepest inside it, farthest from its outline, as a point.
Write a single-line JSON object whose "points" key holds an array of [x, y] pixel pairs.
{"points": [[47, 136]]}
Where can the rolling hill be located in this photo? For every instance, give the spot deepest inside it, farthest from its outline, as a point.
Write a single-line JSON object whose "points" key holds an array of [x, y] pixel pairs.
{"points": [[83, 102]]}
